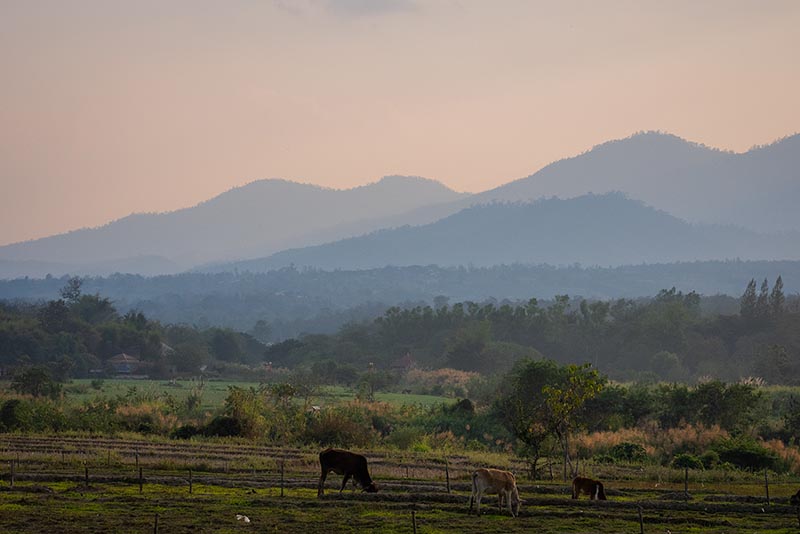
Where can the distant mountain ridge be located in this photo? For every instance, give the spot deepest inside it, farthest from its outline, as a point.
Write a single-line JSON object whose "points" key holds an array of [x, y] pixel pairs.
{"points": [[756, 190], [262, 216], [605, 230]]}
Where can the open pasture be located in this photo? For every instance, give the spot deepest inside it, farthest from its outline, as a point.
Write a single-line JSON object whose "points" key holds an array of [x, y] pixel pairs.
{"points": [[215, 391], [50, 493]]}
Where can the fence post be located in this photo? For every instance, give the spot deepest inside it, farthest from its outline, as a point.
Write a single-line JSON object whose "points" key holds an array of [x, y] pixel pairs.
{"points": [[140, 480], [414, 518], [447, 473], [190, 481], [12, 472], [766, 485], [155, 525], [282, 468], [137, 458], [686, 483], [86, 475], [641, 520]]}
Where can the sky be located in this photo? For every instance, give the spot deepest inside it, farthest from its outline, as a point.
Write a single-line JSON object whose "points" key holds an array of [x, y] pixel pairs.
{"points": [[111, 107]]}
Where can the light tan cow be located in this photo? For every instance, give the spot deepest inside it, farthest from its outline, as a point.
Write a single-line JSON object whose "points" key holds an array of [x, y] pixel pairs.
{"points": [[495, 481]]}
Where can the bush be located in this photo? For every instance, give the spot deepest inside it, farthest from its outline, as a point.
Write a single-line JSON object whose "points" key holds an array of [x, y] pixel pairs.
{"points": [[684, 460], [628, 452], [746, 453], [11, 416], [331, 428], [710, 459], [223, 426], [185, 432], [404, 437]]}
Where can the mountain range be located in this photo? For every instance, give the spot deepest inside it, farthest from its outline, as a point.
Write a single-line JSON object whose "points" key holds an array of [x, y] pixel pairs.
{"points": [[604, 230], [682, 201]]}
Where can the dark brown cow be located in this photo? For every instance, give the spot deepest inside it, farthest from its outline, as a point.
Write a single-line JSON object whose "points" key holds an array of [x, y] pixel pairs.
{"points": [[588, 486], [345, 463], [794, 500]]}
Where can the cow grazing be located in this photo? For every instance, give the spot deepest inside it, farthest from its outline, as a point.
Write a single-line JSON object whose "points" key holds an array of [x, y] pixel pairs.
{"points": [[349, 465], [588, 486], [794, 500], [495, 481]]}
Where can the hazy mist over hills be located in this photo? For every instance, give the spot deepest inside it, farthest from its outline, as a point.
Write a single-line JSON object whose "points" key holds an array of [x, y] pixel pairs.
{"points": [[606, 230], [754, 192], [261, 217], [758, 189]]}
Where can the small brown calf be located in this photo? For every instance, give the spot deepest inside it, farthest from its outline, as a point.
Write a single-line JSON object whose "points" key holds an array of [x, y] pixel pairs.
{"points": [[587, 486], [495, 481]]}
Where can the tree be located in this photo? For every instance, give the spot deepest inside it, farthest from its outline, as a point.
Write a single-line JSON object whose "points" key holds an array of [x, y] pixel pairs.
{"points": [[776, 298], [36, 381], [262, 331], [748, 301], [565, 401], [523, 408], [762, 302], [71, 292]]}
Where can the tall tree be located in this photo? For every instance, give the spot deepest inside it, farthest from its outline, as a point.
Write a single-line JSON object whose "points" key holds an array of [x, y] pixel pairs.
{"points": [[747, 304], [566, 400], [776, 298], [762, 302]]}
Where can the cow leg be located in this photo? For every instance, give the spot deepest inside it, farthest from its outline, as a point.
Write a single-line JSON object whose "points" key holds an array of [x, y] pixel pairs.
{"points": [[321, 485], [344, 482], [478, 504], [471, 500]]}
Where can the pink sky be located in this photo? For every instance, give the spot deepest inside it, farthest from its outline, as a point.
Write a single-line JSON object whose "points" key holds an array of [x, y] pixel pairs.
{"points": [[110, 107]]}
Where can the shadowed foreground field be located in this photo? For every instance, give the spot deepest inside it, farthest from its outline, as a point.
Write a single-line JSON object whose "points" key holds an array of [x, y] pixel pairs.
{"points": [[50, 494]]}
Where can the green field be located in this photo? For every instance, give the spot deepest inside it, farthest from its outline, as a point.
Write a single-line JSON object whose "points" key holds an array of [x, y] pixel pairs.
{"points": [[215, 391], [50, 493]]}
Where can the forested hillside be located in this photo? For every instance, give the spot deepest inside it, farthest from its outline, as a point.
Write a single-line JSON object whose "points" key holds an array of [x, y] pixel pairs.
{"points": [[662, 338]]}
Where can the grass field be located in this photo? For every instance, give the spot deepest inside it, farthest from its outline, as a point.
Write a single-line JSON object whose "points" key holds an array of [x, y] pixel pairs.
{"points": [[214, 392], [50, 493]]}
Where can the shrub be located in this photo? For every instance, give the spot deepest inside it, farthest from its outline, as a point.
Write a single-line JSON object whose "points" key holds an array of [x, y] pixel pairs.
{"points": [[11, 415], [710, 458], [628, 452], [331, 428], [185, 432], [223, 426], [684, 460], [405, 437], [746, 453]]}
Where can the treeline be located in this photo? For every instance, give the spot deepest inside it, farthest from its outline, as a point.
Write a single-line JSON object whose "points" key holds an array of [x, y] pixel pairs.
{"points": [[295, 301], [77, 334], [663, 338]]}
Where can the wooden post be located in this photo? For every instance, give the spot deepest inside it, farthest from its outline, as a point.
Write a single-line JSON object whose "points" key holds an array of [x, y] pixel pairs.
{"points": [[86, 475], [137, 458], [414, 520], [190, 481], [686, 483], [766, 485], [155, 525], [641, 521], [282, 469], [17, 459], [140, 480], [12, 473], [447, 473]]}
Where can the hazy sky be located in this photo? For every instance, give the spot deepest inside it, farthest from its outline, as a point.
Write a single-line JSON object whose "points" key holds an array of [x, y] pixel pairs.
{"points": [[110, 107]]}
